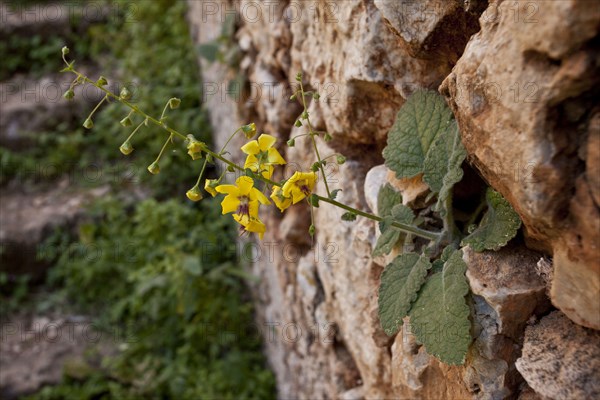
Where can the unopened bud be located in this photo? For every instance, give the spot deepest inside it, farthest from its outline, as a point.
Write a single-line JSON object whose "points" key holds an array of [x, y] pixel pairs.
{"points": [[154, 168], [316, 96], [291, 142], [311, 230], [126, 121], [293, 97], [125, 94], [88, 123], [298, 123], [65, 50], [174, 103], [102, 81], [126, 148], [194, 194], [340, 159], [69, 94], [327, 137], [249, 130]]}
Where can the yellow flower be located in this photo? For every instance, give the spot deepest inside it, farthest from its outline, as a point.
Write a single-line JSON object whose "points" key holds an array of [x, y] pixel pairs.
{"points": [[299, 186], [209, 186], [252, 225], [279, 199], [242, 199], [262, 155]]}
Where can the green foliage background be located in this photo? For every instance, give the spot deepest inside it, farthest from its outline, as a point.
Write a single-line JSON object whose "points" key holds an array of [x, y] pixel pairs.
{"points": [[156, 268]]}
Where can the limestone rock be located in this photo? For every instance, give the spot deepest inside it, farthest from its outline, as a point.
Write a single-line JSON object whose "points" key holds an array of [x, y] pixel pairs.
{"points": [[561, 360], [525, 122], [430, 28]]}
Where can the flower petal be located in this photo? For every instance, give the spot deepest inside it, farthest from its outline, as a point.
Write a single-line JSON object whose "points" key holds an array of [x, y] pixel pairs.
{"points": [[260, 196], [251, 163], [245, 184], [251, 147], [274, 157], [266, 141], [230, 204], [228, 189]]}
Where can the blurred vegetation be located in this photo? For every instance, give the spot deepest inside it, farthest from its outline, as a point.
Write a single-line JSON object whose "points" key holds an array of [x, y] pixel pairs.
{"points": [[164, 271], [166, 275]]}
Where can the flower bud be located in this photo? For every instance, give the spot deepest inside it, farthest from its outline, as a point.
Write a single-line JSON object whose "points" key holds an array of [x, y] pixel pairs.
{"points": [[327, 137], [154, 168], [194, 194], [126, 148], [298, 123], [340, 159], [316, 96], [299, 76], [293, 97], [88, 123], [174, 102], [314, 167], [65, 50], [125, 94], [126, 121], [311, 230], [230, 168], [69, 94], [291, 142], [304, 115], [249, 130], [195, 147], [102, 81], [210, 185]]}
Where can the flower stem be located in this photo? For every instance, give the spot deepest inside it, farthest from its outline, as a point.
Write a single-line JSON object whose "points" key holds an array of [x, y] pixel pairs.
{"points": [[312, 134], [403, 227]]}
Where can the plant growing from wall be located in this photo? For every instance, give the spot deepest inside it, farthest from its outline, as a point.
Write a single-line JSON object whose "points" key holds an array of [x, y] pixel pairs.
{"points": [[430, 286]]}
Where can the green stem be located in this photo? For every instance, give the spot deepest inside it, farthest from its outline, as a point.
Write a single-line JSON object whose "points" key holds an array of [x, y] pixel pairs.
{"points": [[403, 227], [135, 130], [162, 150], [201, 172], [312, 137], [229, 140], [97, 106], [449, 225]]}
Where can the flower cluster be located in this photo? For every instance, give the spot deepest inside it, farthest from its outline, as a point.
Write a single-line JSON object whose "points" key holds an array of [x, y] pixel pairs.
{"points": [[243, 198]]}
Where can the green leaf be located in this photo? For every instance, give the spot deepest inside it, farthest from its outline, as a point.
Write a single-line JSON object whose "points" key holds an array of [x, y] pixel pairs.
{"points": [[400, 283], [498, 226], [386, 241], [442, 166], [390, 235], [387, 199], [421, 119], [439, 317], [403, 214], [348, 216], [334, 193]]}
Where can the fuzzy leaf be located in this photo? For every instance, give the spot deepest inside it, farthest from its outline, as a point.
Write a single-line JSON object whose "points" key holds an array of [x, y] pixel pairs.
{"points": [[498, 226], [439, 317], [400, 283], [442, 166], [387, 199], [386, 242], [390, 235], [421, 119]]}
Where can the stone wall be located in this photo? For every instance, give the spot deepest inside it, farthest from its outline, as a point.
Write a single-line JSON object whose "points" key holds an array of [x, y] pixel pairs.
{"points": [[522, 79]]}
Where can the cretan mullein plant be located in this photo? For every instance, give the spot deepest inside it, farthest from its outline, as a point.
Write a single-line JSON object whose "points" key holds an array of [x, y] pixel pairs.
{"points": [[256, 186]]}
